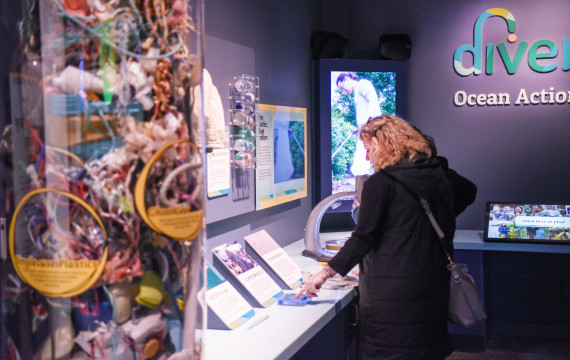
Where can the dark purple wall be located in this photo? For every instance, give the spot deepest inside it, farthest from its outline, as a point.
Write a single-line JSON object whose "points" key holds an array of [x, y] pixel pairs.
{"points": [[510, 152], [279, 33]]}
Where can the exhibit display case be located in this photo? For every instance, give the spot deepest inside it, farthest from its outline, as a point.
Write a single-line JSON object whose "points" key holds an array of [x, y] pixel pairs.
{"points": [[105, 207]]}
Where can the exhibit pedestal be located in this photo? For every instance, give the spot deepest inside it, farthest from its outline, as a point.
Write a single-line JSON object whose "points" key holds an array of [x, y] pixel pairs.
{"points": [[288, 332], [281, 332]]}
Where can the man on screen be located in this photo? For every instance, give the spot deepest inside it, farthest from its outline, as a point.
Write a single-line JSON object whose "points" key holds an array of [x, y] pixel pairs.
{"points": [[367, 106]]}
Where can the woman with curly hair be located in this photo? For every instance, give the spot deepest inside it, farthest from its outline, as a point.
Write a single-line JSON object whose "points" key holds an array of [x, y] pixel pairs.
{"points": [[404, 281]]}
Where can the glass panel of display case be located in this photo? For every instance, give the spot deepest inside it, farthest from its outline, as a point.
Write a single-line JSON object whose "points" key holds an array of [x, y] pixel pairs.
{"points": [[106, 230]]}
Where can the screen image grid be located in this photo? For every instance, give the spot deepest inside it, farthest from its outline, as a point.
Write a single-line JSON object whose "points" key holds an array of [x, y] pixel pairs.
{"points": [[355, 97], [525, 221]]}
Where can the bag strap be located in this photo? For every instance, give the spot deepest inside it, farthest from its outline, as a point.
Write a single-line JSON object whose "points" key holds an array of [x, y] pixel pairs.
{"points": [[425, 205]]}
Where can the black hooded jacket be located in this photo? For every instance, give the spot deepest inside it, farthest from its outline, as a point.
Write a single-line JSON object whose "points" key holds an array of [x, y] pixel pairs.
{"points": [[464, 191], [404, 282]]}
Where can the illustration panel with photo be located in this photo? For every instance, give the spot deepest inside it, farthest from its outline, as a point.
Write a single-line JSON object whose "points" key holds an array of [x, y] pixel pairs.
{"points": [[235, 258]]}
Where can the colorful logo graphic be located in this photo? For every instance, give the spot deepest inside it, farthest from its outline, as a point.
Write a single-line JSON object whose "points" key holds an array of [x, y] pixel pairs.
{"points": [[540, 50]]}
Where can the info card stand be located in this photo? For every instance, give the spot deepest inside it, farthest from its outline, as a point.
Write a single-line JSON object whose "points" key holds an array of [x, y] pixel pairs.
{"points": [[227, 309], [282, 269], [250, 279]]}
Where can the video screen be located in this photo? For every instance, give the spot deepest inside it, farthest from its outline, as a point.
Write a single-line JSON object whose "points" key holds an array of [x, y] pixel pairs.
{"points": [[525, 222], [355, 97]]}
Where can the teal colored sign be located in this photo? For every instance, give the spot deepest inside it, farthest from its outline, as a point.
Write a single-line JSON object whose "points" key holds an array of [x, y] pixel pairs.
{"points": [[540, 50]]}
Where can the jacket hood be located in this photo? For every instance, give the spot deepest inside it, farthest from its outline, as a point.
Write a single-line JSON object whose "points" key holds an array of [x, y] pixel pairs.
{"points": [[425, 176]]}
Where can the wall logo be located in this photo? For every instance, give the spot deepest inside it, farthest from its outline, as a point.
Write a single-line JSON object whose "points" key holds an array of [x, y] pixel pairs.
{"points": [[548, 50]]}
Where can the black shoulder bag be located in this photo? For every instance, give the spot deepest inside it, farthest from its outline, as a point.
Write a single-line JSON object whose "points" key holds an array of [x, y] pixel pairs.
{"points": [[465, 308]]}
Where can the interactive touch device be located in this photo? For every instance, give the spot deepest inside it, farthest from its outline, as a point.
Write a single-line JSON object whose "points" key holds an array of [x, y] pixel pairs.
{"points": [[527, 222]]}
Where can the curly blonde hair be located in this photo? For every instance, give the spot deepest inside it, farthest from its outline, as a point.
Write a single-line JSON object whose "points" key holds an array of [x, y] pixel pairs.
{"points": [[392, 138]]}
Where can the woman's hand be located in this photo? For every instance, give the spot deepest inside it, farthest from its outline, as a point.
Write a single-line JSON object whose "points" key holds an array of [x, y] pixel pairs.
{"points": [[355, 203], [314, 283]]}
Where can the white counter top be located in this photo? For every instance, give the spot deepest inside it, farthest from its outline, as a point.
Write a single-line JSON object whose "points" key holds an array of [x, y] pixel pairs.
{"points": [[473, 240], [287, 328]]}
